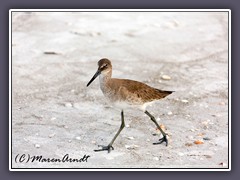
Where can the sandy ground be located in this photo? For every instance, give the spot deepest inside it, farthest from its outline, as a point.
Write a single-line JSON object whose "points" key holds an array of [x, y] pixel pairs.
{"points": [[54, 55]]}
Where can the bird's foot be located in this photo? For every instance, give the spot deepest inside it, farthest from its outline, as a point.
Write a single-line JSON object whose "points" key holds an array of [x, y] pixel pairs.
{"points": [[104, 148], [164, 139]]}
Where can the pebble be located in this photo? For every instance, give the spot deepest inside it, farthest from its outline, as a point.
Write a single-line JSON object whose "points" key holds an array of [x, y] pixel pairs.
{"points": [[78, 138], [156, 158], [206, 138], [205, 122], [170, 113], [37, 145], [166, 77], [53, 118], [127, 126], [190, 137], [181, 154], [158, 119], [51, 135], [68, 105], [131, 138], [200, 134], [208, 156], [65, 126], [148, 139], [127, 146], [184, 101], [69, 141], [93, 142], [198, 142]]}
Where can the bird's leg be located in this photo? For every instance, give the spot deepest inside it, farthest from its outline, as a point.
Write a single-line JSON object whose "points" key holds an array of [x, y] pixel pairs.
{"points": [[164, 139], [109, 146]]}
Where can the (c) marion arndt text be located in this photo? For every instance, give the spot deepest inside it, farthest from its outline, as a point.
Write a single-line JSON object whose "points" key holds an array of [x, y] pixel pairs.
{"points": [[27, 158]]}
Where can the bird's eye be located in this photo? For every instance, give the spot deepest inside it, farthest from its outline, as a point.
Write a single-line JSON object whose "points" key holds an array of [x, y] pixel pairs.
{"points": [[104, 66]]}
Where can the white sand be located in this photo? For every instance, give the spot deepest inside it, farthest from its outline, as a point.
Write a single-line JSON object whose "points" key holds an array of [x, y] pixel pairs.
{"points": [[54, 113]]}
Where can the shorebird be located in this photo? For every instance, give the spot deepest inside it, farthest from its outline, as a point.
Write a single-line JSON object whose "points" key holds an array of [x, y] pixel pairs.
{"points": [[124, 93]]}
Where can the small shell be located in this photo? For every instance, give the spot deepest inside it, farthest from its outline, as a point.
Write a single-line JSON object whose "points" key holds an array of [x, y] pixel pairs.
{"points": [[78, 138], [68, 105], [206, 122], [166, 77], [37, 145], [200, 134], [53, 118], [198, 142], [51, 135], [206, 138], [181, 154], [184, 101], [208, 156], [127, 146], [131, 138], [170, 113]]}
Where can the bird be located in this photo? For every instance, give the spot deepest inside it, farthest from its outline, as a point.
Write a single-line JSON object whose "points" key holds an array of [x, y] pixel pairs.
{"points": [[124, 93]]}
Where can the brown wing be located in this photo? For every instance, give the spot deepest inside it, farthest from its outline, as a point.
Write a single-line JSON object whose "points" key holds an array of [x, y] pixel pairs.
{"points": [[138, 91]]}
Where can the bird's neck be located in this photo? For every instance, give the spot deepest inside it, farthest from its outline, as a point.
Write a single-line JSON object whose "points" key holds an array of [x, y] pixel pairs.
{"points": [[104, 79]]}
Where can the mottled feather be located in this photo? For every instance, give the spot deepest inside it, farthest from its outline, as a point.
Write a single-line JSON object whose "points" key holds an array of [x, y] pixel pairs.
{"points": [[135, 92]]}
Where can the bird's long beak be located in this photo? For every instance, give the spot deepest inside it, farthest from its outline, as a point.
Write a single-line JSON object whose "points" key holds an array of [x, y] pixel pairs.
{"points": [[94, 77]]}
